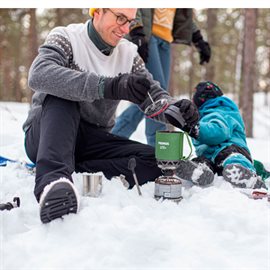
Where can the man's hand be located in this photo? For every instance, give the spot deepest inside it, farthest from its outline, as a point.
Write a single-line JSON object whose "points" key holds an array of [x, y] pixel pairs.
{"points": [[188, 117], [138, 37], [132, 87], [202, 47]]}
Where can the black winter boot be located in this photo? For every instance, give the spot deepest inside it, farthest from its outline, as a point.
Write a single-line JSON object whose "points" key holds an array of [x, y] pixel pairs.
{"points": [[59, 198]]}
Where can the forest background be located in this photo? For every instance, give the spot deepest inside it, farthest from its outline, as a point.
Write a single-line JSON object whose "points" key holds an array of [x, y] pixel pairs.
{"points": [[239, 40]]}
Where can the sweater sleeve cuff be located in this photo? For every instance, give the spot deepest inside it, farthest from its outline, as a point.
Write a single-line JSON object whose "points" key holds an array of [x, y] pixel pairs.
{"points": [[101, 86]]}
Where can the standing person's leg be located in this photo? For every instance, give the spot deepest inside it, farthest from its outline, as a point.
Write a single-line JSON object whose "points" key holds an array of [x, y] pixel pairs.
{"points": [[50, 143], [110, 154], [165, 58], [158, 64], [128, 121]]}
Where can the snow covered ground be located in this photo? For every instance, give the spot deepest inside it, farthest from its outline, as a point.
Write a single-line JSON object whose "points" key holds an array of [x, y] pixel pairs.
{"points": [[211, 228]]}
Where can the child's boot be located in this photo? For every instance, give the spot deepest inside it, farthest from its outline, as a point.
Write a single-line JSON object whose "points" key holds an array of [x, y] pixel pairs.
{"points": [[242, 177]]}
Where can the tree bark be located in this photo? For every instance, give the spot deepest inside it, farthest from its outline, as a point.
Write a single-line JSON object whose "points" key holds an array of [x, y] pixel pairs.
{"points": [[1, 64], [33, 42], [191, 85], [249, 57], [211, 36], [59, 16], [267, 88], [172, 80]]}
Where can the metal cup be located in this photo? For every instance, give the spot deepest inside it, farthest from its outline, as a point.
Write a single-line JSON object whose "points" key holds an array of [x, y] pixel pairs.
{"points": [[92, 184]]}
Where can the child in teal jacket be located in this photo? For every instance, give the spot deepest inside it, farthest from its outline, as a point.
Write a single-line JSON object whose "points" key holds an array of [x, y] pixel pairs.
{"points": [[219, 141]]}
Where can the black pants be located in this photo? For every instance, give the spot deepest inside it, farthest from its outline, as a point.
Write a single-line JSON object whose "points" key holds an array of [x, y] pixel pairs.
{"points": [[60, 142]]}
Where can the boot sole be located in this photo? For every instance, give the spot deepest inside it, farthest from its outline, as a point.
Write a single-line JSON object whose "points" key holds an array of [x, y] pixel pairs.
{"points": [[186, 170], [59, 201], [239, 176]]}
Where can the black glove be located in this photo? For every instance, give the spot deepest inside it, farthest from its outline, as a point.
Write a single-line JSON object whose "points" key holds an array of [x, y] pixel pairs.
{"points": [[202, 47], [132, 87], [188, 117], [138, 37]]}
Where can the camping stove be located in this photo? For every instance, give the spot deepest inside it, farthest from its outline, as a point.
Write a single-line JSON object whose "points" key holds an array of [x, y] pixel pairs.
{"points": [[168, 150], [168, 187]]}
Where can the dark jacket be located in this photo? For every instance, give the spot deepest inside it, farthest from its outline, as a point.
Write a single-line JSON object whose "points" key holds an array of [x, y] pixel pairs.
{"points": [[183, 25]]}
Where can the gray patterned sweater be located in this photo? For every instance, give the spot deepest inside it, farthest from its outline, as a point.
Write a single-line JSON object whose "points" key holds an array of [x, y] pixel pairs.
{"points": [[70, 66]]}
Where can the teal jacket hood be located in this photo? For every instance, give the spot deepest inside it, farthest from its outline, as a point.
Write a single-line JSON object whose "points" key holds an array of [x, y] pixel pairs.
{"points": [[219, 103]]}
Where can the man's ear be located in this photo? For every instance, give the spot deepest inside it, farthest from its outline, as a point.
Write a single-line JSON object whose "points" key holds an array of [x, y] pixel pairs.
{"points": [[93, 11], [98, 12]]}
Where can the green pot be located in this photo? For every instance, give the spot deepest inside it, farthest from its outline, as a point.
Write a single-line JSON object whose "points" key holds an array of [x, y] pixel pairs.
{"points": [[169, 145]]}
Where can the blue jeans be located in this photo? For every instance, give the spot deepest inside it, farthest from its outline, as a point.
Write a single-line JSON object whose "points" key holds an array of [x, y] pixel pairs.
{"points": [[158, 65]]}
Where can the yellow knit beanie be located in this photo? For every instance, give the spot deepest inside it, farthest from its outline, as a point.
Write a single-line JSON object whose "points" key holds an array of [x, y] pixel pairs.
{"points": [[91, 11]]}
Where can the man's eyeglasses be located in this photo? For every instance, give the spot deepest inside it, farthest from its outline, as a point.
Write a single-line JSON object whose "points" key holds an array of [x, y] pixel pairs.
{"points": [[121, 19]]}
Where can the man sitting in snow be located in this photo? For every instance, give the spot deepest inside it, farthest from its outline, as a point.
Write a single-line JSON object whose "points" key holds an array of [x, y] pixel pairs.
{"points": [[79, 76], [220, 142]]}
